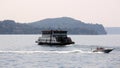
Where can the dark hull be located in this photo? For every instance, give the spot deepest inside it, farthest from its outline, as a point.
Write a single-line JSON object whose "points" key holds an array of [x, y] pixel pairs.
{"points": [[108, 50], [104, 51], [55, 44]]}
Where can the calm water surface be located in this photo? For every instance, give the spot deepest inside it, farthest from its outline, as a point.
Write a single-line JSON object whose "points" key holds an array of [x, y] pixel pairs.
{"points": [[21, 51]]}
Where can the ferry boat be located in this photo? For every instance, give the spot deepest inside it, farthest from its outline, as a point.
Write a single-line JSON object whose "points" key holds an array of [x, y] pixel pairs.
{"points": [[54, 37]]}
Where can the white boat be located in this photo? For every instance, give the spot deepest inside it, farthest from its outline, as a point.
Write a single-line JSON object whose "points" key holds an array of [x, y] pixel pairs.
{"points": [[54, 37]]}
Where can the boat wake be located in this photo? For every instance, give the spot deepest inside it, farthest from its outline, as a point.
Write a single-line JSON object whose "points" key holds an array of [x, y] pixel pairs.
{"points": [[31, 52]]}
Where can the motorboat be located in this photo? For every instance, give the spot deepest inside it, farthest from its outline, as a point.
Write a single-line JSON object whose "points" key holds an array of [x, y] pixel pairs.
{"points": [[104, 50]]}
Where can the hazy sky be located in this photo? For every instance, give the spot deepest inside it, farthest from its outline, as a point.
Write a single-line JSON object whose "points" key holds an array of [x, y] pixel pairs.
{"points": [[106, 12]]}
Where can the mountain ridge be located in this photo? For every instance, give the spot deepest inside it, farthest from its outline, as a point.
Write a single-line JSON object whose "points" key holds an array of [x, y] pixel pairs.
{"points": [[72, 25]]}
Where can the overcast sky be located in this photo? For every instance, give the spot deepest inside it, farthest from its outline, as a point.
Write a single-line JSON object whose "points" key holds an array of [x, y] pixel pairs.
{"points": [[106, 12]]}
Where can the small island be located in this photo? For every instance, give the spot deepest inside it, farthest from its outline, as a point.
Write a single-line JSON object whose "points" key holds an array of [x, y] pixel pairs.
{"points": [[71, 25]]}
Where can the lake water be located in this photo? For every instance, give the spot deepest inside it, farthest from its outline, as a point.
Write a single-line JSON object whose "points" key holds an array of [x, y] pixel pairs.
{"points": [[21, 51]]}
